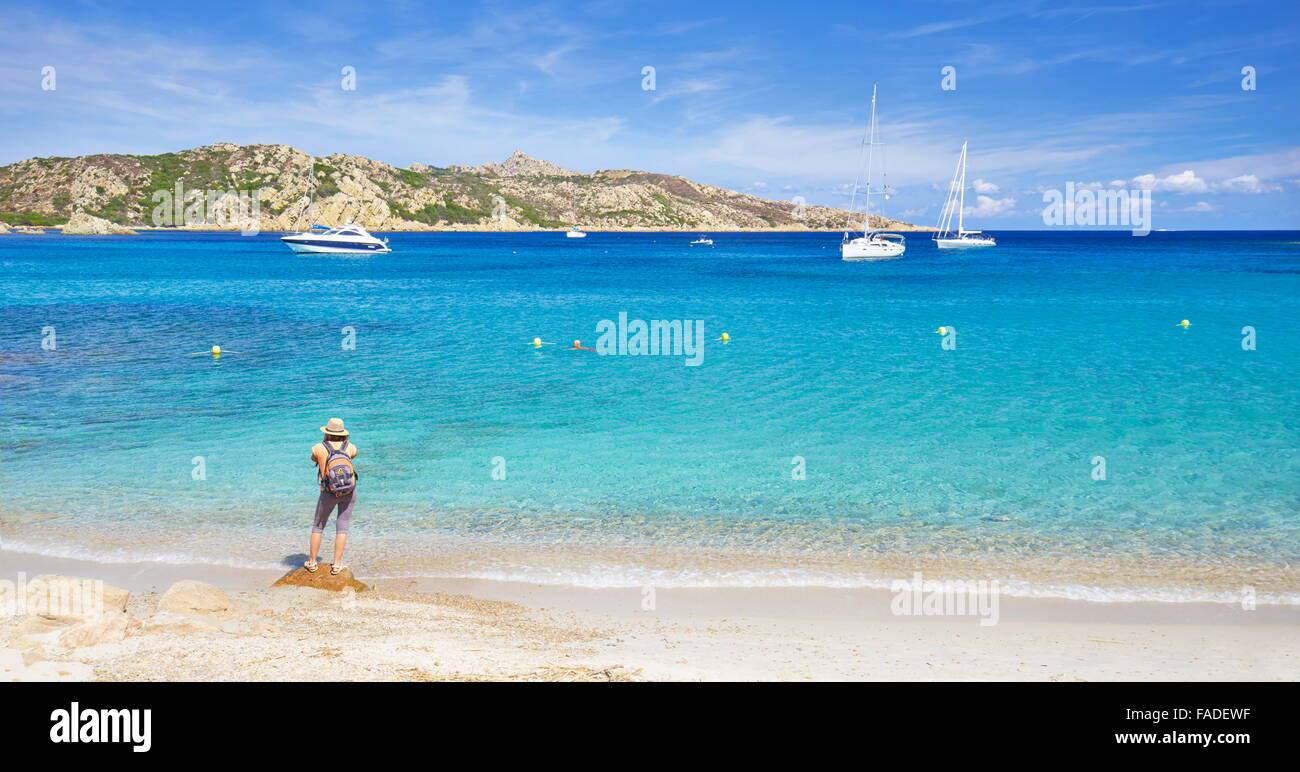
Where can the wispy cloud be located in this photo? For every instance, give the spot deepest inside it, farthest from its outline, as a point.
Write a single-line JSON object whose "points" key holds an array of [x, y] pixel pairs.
{"points": [[691, 86], [936, 27]]}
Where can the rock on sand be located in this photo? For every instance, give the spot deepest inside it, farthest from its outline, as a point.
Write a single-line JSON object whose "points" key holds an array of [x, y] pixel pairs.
{"points": [[321, 580], [73, 598], [191, 597]]}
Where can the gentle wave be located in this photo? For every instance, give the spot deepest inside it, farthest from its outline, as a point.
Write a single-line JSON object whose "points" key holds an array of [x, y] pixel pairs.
{"points": [[612, 576], [121, 557], [628, 577]]}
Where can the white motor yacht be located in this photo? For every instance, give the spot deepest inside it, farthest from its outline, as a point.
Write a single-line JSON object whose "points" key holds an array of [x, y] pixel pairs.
{"points": [[343, 239]]}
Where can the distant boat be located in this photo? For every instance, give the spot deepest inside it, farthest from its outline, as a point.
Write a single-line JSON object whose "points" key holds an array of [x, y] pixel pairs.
{"points": [[702, 241], [575, 232], [946, 237], [342, 240], [872, 244]]}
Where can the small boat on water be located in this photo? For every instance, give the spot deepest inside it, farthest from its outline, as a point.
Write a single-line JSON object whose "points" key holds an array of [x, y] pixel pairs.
{"points": [[872, 244], [946, 237], [347, 239], [574, 232], [702, 241]]}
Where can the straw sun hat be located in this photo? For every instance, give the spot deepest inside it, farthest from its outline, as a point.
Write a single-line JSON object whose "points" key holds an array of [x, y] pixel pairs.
{"points": [[335, 426]]}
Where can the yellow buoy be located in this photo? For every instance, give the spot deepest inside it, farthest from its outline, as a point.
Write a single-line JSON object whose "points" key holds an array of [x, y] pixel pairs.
{"points": [[215, 352], [537, 342], [724, 337], [941, 331], [1184, 324]]}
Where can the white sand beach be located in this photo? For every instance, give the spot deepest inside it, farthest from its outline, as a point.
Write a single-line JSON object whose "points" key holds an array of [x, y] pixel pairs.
{"points": [[435, 630]]}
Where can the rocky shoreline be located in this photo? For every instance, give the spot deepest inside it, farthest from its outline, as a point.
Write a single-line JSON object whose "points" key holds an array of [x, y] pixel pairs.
{"points": [[281, 188], [137, 229]]}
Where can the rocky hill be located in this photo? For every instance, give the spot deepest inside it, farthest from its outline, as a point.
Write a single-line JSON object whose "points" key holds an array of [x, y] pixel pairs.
{"points": [[202, 188]]}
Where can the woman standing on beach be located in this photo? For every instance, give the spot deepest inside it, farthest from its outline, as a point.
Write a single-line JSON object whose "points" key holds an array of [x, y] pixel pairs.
{"points": [[338, 484]]}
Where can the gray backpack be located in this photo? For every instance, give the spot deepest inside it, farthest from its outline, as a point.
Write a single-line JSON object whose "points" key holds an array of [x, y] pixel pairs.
{"points": [[340, 476]]}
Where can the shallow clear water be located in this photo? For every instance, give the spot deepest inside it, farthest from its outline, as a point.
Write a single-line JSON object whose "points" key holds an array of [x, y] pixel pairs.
{"points": [[1067, 348]]}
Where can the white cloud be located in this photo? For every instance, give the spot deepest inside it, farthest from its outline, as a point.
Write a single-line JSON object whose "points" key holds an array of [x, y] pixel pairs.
{"points": [[987, 206], [1187, 181], [1265, 166], [1183, 182], [981, 186], [1201, 206], [1248, 183]]}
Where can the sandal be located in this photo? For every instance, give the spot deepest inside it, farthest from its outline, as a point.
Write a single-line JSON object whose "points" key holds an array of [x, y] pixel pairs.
{"points": [[311, 566], [335, 570]]}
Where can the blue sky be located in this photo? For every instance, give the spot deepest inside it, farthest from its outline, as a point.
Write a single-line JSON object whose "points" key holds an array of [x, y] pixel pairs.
{"points": [[765, 97]]}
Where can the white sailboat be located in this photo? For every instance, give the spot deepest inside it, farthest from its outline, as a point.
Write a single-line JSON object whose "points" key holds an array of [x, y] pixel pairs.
{"points": [[872, 244], [946, 237]]}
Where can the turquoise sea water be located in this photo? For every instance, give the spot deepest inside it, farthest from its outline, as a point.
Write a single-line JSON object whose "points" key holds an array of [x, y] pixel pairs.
{"points": [[621, 470]]}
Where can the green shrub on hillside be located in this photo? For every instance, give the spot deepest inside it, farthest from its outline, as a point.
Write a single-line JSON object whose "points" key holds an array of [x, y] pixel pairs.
{"points": [[412, 178], [32, 218], [530, 213], [432, 214]]}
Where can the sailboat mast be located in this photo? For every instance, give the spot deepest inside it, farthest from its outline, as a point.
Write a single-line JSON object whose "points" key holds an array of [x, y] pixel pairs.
{"points": [[961, 205], [871, 152]]}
